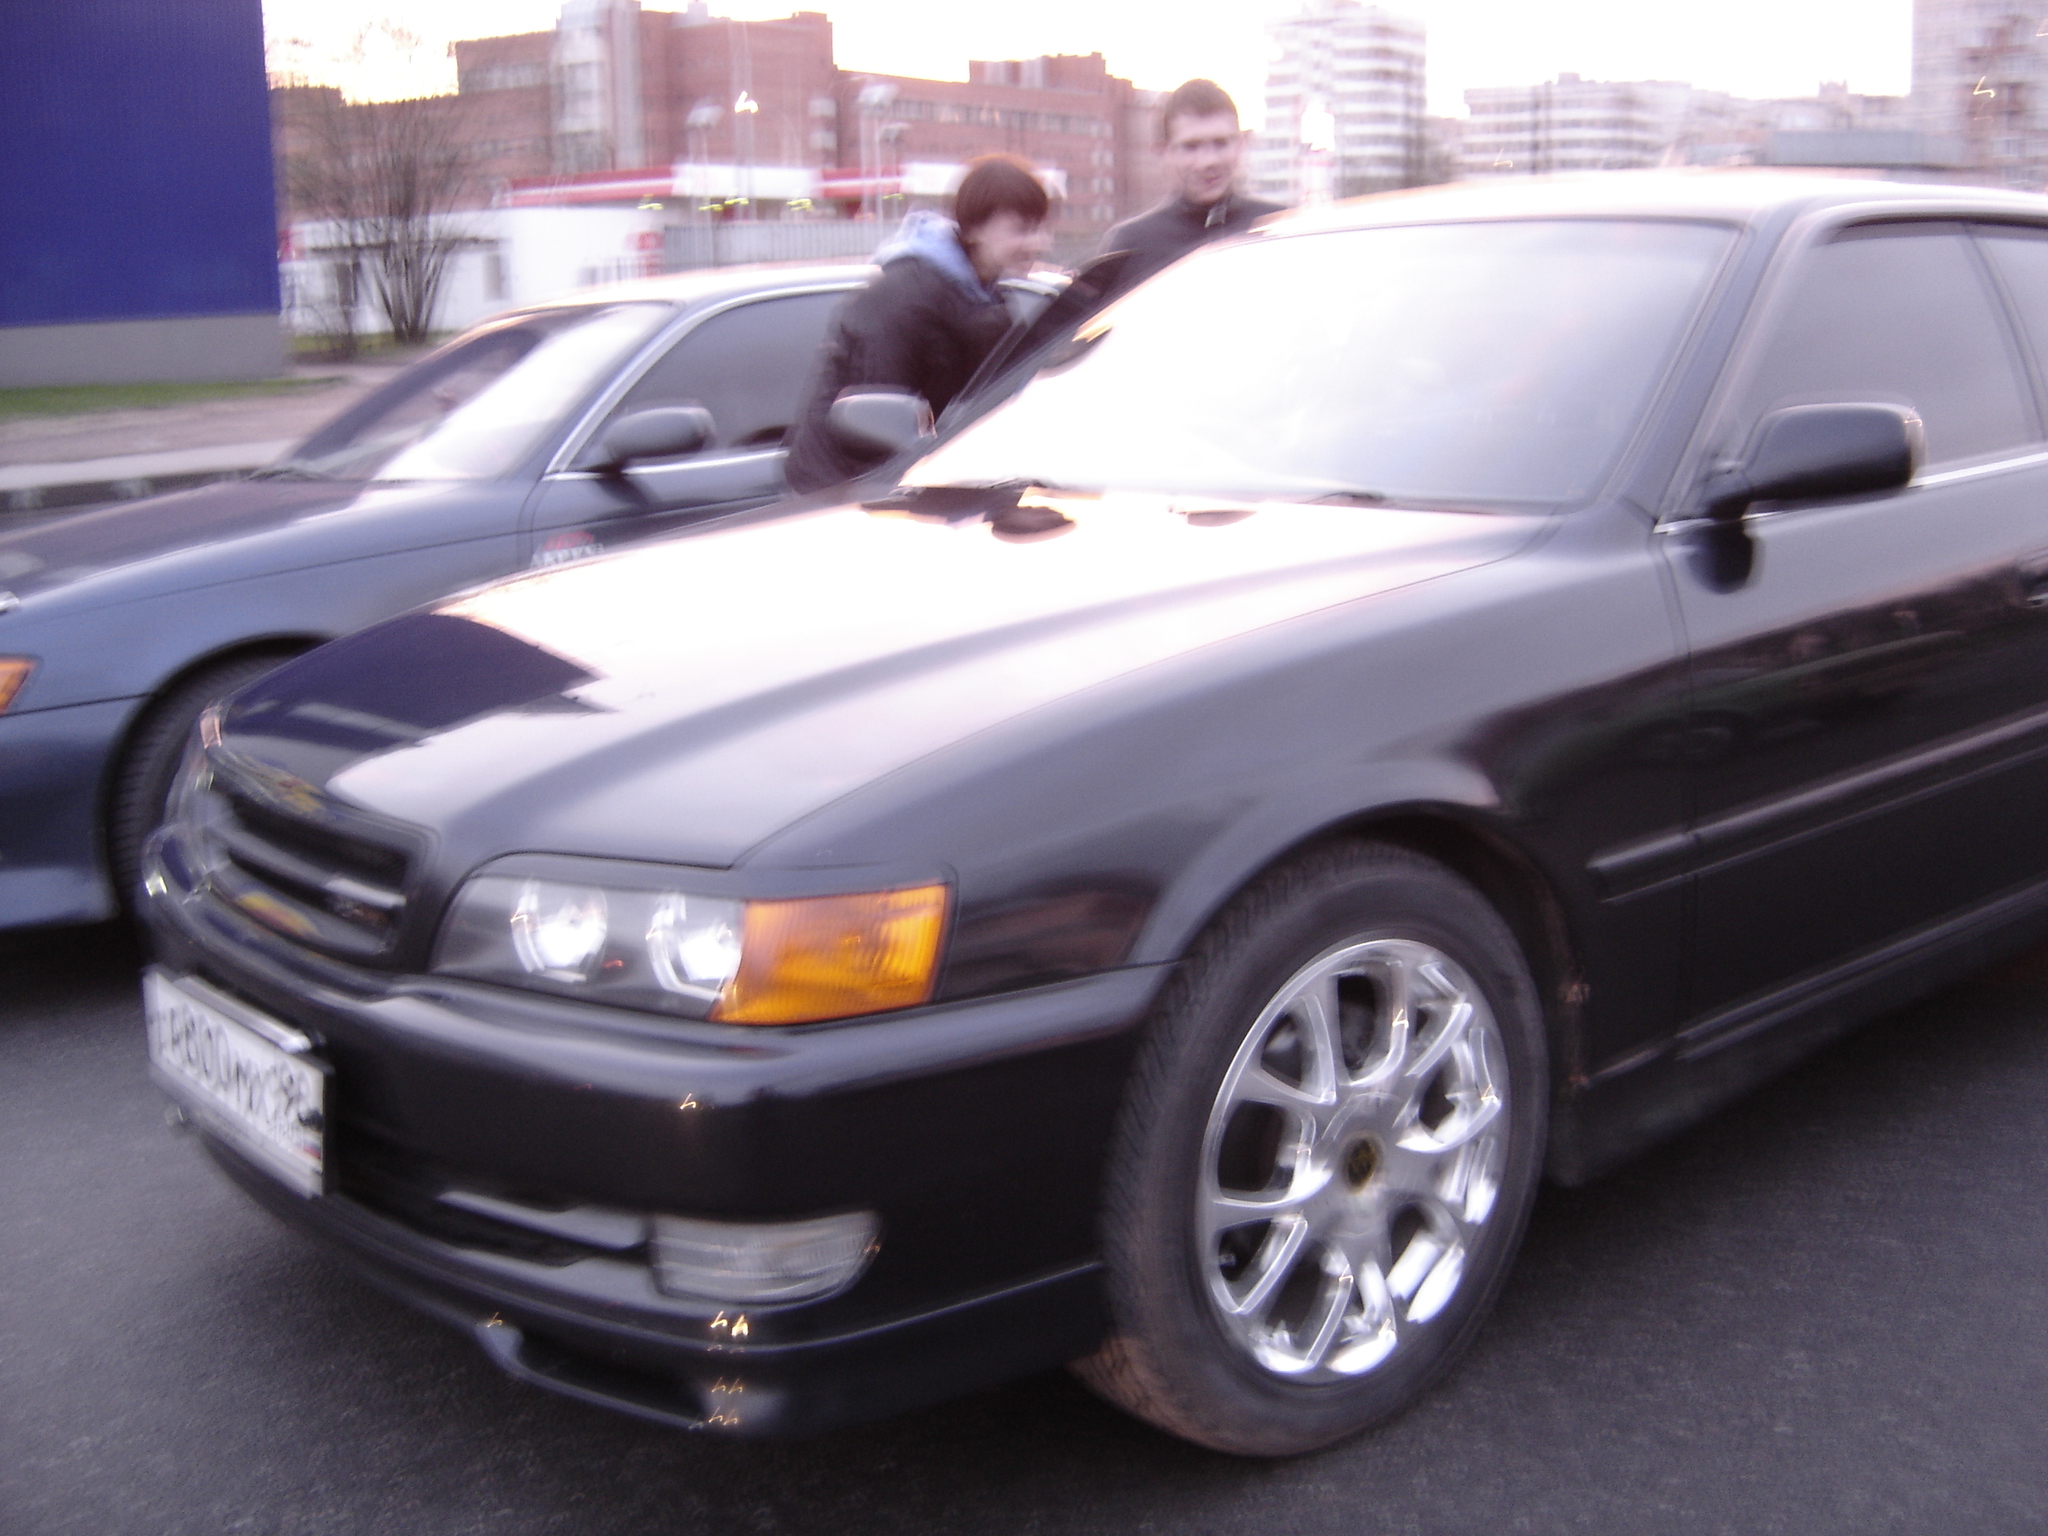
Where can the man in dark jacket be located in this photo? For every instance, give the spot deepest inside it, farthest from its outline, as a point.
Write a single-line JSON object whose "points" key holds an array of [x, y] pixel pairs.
{"points": [[929, 318], [1203, 147]]}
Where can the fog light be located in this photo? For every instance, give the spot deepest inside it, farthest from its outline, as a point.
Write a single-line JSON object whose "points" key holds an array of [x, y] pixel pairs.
{"points": [[730, 1262]]}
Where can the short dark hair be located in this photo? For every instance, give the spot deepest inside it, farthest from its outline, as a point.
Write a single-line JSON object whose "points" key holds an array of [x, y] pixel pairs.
{"points": [[999, 184], [1195, 98]]}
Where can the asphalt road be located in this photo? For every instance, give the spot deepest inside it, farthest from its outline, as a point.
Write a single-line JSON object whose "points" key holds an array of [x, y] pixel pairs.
{"points": [[1826, 1310]]}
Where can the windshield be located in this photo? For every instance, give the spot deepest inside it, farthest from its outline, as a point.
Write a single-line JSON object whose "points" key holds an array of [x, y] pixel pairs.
{"points": [[479, 408], [1448, 364]]}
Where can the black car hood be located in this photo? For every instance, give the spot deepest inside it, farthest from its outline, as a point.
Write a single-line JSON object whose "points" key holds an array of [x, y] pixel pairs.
{"points": [[85, 545], [685, 700]]}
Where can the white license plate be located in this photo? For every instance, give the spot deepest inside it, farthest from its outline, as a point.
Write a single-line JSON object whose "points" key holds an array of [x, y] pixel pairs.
{"points": [[244, 1075]]}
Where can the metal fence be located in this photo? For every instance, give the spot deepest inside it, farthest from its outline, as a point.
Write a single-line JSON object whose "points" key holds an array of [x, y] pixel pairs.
{"points": [[690, 246]]}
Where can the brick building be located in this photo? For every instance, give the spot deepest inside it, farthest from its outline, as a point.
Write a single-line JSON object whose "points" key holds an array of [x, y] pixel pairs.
{"points": [[1090, 131], [715, 117]]}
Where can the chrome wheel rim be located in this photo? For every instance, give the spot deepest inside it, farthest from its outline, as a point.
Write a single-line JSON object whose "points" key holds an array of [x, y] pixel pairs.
{"points": [[1352, 1159]]}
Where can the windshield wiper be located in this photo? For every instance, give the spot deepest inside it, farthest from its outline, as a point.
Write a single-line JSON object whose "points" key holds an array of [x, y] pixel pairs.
{"points": [[957, 500], [1357, 498], [289, 471], [1015, 486]]}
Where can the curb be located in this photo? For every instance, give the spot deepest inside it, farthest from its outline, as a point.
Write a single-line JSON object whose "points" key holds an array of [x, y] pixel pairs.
{"points": [[87, 493], [31, 489]]}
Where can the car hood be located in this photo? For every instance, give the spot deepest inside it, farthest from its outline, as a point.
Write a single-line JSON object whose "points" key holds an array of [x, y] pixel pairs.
{"points": [[179, 538], [683, 701]]}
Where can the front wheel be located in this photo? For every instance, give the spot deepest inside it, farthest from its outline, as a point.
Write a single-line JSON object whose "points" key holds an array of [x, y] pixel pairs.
{"points": [[1326, 1158], [142, 784]]}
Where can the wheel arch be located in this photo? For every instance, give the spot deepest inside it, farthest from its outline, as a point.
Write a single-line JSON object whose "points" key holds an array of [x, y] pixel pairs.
{"points": [[282, 646], [1510, 879], [1517, 888]]}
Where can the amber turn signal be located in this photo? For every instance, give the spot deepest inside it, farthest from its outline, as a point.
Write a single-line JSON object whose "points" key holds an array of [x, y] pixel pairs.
{"points": [[14, 671], [831, 957]]}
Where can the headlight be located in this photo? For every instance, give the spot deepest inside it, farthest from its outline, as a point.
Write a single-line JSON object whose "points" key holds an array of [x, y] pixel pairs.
{"points": [[640, 945], [558, 931]]}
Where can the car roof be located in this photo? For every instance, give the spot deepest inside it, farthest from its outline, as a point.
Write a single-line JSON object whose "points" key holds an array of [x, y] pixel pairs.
{"points": [[1744, 196], [715, 285], [718, 285]]}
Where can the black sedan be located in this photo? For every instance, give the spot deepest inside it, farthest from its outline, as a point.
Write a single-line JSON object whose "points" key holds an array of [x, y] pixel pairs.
{"points": [[1441, 691], [507, 449]]}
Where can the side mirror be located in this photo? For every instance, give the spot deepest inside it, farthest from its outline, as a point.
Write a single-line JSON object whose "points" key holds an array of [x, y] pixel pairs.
{"points": [[666, 432], [1098, 278], [880, 421], [1805, 452]]}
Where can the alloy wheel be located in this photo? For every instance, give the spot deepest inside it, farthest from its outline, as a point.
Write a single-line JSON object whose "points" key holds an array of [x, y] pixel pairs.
{"points": [[1352, 1157]]}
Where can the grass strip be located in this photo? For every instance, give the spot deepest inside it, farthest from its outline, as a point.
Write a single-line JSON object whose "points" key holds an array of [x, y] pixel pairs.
{"points": [[85, 399]]}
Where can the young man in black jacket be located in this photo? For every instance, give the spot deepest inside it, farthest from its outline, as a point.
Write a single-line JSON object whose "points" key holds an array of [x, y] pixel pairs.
{"points": [[1203, 147], [929, 318]]}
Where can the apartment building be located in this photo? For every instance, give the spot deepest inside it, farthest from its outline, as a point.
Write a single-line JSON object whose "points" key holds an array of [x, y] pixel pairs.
{"points": [[1344, 104], [1980, 79], [1570, 124]]}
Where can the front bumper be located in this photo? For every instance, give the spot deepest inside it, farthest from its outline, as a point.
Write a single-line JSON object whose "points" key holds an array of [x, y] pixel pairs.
{"points": [[53, 765], [976, 1130]]}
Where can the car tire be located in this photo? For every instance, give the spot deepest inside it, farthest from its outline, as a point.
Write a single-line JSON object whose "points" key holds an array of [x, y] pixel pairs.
{"points": [[1316, 1190], [142, 783]]}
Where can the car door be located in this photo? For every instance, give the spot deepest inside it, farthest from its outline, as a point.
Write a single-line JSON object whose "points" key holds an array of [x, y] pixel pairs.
{"points": [[748, 364], [1869, 727]]}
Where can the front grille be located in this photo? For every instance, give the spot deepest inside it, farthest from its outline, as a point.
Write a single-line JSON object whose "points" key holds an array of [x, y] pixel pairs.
{"points": [[285, 856]]}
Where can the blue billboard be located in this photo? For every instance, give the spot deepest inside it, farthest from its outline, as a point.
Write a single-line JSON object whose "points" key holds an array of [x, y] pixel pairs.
{"points": [[135, 182]]}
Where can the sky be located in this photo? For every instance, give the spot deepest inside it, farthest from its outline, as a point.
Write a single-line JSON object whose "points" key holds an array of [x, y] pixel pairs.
{"points": [[1758, 48]]}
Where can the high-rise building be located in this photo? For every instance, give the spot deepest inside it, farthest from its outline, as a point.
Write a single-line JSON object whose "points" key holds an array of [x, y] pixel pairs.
{"points": [[1570, 124], [1980, 77], [1344, 104]]}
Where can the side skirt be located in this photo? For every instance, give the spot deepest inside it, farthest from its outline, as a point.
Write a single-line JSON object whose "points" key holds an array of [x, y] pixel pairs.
{"points": [[1631, 1105]]}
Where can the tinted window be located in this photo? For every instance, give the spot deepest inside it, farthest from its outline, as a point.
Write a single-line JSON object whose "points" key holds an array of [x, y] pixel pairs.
{"points": [[1467, 363], [748, 367], [1901, 315], [2021, 259]]}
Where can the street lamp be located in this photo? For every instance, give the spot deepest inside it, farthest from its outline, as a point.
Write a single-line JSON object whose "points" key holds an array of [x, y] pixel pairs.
{"points": [[875, 98], [704, 117], [743, 109]]}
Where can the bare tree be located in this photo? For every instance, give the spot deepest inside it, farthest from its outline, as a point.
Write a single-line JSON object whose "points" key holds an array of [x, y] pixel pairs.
{"points": [[387, 176]]}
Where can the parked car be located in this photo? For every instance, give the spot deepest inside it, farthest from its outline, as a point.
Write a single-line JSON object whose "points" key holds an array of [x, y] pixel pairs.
{"points": [[507, 449], [1448, 688]]}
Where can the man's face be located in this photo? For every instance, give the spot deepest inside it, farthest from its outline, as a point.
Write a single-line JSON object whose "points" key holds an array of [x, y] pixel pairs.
{"points": [[1005, 245], [1202, 155]]}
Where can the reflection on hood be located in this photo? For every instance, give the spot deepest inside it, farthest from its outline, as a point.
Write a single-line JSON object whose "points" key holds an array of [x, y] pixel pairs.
{"points": [[741, 678], [368, 692], [934, 239]]}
